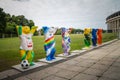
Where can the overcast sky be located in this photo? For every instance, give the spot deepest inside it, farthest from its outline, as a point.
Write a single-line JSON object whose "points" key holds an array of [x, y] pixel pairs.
{"points": [[63, 13]]}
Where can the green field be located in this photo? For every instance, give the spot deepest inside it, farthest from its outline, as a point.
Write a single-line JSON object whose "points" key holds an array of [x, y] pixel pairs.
{"points": [[9, 48]]}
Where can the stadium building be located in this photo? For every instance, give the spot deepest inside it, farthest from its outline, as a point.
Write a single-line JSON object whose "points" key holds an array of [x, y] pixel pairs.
{"points": [[113, 22]]}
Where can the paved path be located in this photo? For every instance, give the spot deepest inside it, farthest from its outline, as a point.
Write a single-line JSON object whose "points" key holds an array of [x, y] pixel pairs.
{"points": [[100, 64]]}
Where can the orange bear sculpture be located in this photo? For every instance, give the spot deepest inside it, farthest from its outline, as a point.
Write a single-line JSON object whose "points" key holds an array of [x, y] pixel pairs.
{"points": [[99, 36]]}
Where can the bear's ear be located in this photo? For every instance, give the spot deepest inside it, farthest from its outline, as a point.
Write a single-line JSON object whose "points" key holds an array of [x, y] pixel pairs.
{"points": [[45, 29]]}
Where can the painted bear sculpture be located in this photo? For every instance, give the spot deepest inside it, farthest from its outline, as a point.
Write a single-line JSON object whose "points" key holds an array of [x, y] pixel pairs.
{"points": [[49, 44], [26, 45], [66, 40]]}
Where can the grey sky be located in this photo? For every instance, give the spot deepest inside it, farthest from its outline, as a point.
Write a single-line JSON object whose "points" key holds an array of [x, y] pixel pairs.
{"points": [[63, 13]]}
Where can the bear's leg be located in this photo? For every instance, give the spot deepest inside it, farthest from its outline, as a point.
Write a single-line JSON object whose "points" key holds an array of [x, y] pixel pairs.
{"points": [[48, 58], [30, 57], [23, 54], [53, 53]]}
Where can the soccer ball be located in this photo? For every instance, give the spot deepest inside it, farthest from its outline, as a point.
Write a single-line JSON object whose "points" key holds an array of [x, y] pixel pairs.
{"points": [[24, 64]]}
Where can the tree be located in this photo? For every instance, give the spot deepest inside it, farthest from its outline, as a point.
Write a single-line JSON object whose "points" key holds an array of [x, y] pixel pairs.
{"points": [[30, 23], [73, 31], [21, 20], [8, 23], [58, 32], [2, 22], [10, 28]]}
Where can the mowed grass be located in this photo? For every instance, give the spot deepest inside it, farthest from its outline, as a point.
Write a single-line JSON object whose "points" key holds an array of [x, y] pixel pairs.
{"points": [[9, 48]]}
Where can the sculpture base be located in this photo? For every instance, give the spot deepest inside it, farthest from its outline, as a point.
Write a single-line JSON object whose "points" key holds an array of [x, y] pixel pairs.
{"points": [[78, 51], [65, 56], [86, 48], [52, 61], [18, 67]]}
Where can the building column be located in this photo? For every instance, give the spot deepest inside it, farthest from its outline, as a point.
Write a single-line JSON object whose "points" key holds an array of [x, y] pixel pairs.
{"points": [[113, 26], [118, 28], [108, 26], [117, 25]]}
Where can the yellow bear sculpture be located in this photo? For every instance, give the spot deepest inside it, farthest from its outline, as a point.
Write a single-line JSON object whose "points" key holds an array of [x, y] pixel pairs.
{"points": [[87, 38], [26, 45]]}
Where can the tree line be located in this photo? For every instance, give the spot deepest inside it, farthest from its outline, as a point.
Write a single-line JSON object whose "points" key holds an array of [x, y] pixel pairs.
{"points": [[9, 22], [74, 31]]}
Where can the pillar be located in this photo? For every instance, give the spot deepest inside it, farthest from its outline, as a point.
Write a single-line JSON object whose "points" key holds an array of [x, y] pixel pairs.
{"points": [[119, 29]]}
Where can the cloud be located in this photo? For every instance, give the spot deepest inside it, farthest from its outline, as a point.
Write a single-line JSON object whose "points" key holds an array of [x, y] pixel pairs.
{"points": [[76, 13]]}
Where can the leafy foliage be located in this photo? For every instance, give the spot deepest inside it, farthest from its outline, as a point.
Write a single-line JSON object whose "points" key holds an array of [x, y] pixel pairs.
{"points": [[2, 21], [9, 22]]}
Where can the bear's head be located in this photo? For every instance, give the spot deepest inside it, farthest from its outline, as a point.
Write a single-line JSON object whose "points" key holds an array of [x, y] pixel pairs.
{"points": [[26, 29]]}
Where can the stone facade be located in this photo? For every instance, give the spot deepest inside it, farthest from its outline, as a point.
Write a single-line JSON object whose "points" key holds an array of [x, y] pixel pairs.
{"points": [[113, 22]]}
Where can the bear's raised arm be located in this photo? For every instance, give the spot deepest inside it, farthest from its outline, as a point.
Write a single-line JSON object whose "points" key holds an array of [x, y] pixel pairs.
{"points": [[33, 29], [19, 30], [54, 30]]}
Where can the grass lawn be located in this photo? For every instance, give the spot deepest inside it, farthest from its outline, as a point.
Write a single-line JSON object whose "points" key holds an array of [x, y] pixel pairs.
{"points": [[9, 48]]}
